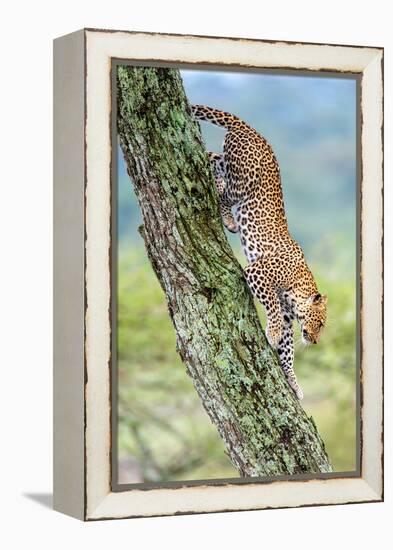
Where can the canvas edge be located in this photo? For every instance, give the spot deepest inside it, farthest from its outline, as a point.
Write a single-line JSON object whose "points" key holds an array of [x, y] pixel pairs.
{"points": [[68, 272], [360, 492], [99, 509], [372, 275]]}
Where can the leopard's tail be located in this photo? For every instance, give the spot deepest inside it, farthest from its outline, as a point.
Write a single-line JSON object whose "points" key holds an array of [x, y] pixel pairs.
{"points": [[215, 116]]}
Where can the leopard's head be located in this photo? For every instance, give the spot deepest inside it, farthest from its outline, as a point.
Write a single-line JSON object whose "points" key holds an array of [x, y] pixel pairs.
{"points": [[313, 318]]}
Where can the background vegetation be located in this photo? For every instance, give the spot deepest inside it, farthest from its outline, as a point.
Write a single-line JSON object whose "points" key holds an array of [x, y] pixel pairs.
{"points": [[164, 433]]}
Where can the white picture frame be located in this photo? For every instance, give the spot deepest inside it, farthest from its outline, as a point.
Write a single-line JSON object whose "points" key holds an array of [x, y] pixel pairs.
{"points": [[82, 242]]}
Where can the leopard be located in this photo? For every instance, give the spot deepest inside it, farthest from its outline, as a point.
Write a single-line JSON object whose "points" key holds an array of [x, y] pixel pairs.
{"points": [[248, 182]]}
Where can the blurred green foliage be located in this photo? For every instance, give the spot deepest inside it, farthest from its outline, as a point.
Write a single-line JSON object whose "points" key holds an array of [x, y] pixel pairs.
{"points": [[162, 424]]}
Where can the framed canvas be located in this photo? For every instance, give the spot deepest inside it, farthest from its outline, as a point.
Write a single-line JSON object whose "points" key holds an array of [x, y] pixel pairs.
{"points": [[172, 251]]}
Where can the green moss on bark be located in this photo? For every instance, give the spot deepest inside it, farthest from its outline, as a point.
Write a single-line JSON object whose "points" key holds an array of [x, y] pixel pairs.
{"points": [[219, 336]]}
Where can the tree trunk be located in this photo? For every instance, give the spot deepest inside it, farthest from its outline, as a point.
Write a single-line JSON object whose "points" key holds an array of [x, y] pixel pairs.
{"points": [[219, 336]]}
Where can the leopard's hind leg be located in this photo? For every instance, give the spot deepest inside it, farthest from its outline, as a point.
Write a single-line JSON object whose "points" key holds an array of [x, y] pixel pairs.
{"points": [[217, 162]]}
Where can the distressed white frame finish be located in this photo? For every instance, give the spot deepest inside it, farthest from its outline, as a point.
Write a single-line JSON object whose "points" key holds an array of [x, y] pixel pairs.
{"points": [[82, 386]]}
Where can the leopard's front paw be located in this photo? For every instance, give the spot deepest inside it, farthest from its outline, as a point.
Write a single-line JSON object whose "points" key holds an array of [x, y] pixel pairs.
{"points": [[298, 392], [273, 335], [296, 388]]}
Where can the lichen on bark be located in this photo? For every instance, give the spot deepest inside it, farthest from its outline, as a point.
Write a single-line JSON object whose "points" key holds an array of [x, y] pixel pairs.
{"points": [[219, 336]]}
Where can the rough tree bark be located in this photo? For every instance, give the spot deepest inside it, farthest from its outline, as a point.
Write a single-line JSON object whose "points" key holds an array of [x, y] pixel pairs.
{"points": [[219, 336]]}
